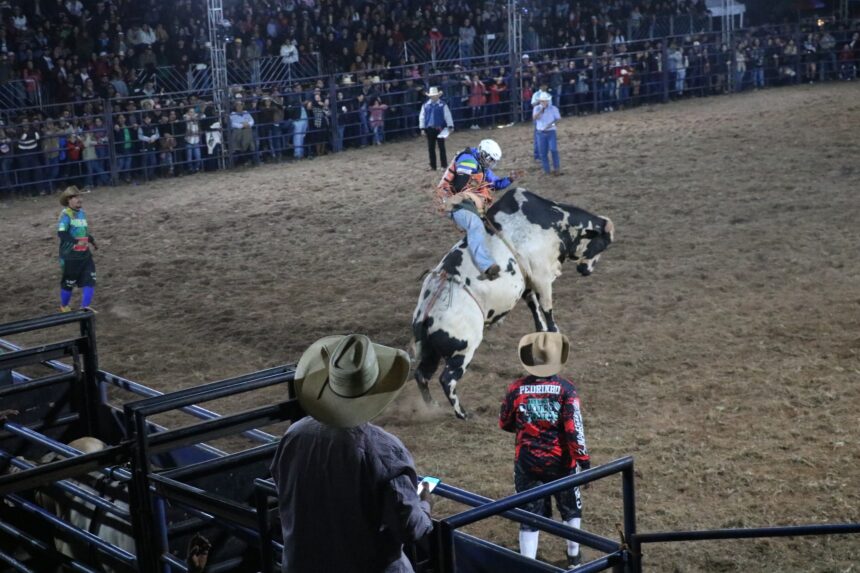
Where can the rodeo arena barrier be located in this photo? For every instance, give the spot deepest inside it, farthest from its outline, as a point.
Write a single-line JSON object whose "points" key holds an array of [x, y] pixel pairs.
{"points": [[152, 488], [301, 109]]}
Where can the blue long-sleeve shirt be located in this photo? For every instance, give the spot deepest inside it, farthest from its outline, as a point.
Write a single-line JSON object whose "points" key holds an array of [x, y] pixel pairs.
{"points": [[467, 163], [545, 117]]}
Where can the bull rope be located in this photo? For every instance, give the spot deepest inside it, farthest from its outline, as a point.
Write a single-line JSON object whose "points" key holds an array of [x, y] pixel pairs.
{"points": [[510, 247], [442, 278]]}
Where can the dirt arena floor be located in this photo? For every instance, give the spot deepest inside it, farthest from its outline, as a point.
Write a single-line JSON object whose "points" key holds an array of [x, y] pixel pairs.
{"points": [[718, 341]]}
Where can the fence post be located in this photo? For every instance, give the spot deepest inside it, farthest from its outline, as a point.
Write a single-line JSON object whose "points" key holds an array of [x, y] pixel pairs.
{"points": [[332, 106], [664, 57], [628, 492], [108, 119]]}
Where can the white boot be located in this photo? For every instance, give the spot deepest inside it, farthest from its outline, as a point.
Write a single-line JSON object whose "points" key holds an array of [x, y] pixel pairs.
{"points": [[573, 546], [529, 543]]}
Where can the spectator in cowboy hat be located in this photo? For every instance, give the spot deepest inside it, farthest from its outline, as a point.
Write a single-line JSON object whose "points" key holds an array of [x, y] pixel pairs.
{"points": [[433, 118], [347, 488], [544, 410], [545, 116]]}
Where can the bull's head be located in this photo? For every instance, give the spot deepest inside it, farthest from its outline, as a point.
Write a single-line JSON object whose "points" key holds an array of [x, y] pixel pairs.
{"points": [[593, 240]]}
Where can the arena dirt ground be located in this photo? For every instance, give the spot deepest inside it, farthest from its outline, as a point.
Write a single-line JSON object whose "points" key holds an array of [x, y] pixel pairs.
{"points": [[718, 341]]}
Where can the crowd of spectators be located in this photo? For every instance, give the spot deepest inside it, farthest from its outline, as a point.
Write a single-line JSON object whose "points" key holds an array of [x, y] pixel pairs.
{"points": [[69, 50], [114, 123]]}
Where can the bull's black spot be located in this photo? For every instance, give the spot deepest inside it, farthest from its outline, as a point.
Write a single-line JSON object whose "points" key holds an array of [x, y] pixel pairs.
{"points": [[426, 294], [540, 212], [510, 268], [453, 370], [491, 313], [550, 323], [562, 251], [468, 281], [421, 327], [445, 344], [452, 262]]}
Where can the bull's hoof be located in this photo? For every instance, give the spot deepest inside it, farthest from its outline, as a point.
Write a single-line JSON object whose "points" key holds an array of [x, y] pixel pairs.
{"points": [[462, 414], [425, 393]]}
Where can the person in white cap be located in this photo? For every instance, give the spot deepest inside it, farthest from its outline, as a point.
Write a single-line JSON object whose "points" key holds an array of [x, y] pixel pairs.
{"points": [[347, 488], [546, 116], [433, 118], [544, 410]]}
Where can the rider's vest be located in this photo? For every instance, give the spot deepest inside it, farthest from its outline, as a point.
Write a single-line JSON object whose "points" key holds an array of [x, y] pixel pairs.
{"points": [[465, 190]]}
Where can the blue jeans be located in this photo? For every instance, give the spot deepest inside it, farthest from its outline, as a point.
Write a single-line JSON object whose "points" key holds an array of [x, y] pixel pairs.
{"points": [[476, 237], [338, 140], [7, 178], [680, 77], [300, 128], [52, 171], [758, 77], [363, 127], [150, 158], [192, 156], [123, 166], [547, 144], [378, 134], [536, 150]]}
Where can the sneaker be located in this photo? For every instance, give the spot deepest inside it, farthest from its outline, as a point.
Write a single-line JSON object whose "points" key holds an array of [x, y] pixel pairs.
{"points": [[89, 308], [65, 309], [574, 560]]}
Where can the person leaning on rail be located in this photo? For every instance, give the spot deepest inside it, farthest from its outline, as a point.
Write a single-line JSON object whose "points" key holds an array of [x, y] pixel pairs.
{"points": [[347, 488]]}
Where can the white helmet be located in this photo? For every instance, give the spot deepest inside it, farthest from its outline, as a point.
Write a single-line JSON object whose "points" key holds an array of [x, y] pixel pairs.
{"points": [[490, 152]]}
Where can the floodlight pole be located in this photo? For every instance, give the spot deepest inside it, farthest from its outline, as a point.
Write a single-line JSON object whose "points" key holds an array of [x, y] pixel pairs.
{"points": [[218, 68]]}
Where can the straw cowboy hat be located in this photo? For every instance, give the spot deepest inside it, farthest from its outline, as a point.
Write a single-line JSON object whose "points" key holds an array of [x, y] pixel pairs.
{"points": [[71, 191], [543, 354], [434, 91], [347, 80], [344, 381], [543, 96]]}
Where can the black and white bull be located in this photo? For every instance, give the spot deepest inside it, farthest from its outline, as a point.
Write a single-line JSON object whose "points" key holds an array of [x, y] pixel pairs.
{"points": [[84, 515], [529, 237]]}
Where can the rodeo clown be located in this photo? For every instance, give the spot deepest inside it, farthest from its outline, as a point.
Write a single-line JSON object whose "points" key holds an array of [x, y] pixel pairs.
{"points": [[543, 409], [76, 258], [466, 192]]}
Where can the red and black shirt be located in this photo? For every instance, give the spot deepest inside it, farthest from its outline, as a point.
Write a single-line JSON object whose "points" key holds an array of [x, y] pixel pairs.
{"points": [[545, 413]]}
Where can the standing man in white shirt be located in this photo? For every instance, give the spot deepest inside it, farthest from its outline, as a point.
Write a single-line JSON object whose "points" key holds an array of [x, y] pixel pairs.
{"points": [[543, 89], [546, 116]]}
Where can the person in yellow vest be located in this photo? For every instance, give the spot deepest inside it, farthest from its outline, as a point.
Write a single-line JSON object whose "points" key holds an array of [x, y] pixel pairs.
{"points": [[76, 258]]}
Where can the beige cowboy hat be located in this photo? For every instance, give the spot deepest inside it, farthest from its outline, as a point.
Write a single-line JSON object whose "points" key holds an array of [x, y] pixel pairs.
{"points": [[71, 191], [346, 380], [434, 91], [543, 96], [347, 80], [543, 354]]}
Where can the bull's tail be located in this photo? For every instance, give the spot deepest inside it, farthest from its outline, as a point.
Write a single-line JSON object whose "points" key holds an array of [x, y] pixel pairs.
{"points": [[425, 356]]}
